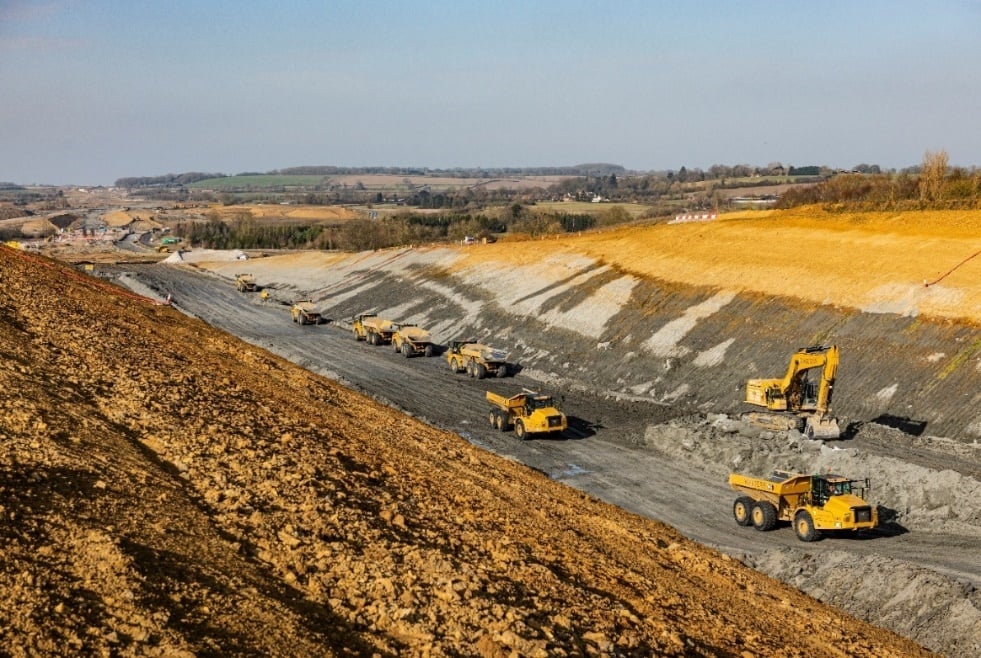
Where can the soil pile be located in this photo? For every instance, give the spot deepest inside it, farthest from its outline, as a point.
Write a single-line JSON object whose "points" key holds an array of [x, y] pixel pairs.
{"points": [[170, 490]]}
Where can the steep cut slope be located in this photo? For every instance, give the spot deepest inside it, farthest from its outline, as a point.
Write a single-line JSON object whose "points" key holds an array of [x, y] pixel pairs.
{"points": [[686, 313], [168, 489]]}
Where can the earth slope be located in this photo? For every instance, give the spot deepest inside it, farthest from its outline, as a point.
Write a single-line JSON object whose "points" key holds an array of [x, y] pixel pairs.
{"points": [[170, 490]]}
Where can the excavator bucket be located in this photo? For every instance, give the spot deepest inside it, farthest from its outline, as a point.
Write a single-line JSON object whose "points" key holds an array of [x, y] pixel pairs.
{"points": [[822, 428]]}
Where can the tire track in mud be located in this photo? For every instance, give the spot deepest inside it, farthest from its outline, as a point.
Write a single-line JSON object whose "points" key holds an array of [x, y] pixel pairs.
{"points": [[605, 456]]}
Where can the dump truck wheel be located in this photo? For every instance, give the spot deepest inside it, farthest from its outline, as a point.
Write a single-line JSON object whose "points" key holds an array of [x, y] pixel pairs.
{"points": [[493, 418], [357, 336], [502, 424], [453, 366], [741, 510], [502, 371], [429, 350], [479, 371], [469, 368], [764, 516], [406, 350], [804, 527], [519, 430]]}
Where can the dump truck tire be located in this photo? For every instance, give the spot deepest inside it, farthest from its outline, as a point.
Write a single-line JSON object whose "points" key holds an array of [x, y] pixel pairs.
{"points": [[479, 371], [742, 510], [764, 516], [469, 368], [502, 371], [519, 430], [492, 416], [429, 350], [502, 423], [406, 350], [804, 527]]}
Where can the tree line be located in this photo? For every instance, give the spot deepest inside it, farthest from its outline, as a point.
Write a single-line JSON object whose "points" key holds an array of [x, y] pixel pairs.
{"points": [[405, 228], [934, 185]]}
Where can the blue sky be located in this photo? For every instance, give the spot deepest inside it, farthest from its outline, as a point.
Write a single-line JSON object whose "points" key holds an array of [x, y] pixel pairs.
{"points": [[92, 91]]}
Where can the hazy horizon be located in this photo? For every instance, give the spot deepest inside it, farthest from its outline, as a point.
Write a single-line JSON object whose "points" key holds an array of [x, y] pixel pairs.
{"points": [[100, 90]]}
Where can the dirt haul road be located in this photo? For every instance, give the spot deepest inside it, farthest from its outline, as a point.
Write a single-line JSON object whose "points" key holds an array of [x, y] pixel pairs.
{"points": [[670, 463]]}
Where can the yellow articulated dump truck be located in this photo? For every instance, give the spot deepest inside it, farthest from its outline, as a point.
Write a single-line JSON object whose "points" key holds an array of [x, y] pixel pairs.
{"points": [[812, 503], [529, 413], [410, 340], [245, 283], [477, 359], [304, 312], [373, 329]]}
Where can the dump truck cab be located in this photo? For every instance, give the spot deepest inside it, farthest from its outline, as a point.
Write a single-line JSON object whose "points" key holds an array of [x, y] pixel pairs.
{"points": [[529, 412], [812, 503]]}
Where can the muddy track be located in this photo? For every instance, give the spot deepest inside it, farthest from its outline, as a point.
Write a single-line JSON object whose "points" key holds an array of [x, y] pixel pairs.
{"points": [[604, 453]]}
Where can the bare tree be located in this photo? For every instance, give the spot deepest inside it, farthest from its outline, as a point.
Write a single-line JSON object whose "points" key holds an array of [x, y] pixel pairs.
{"points": [[932, 175]]}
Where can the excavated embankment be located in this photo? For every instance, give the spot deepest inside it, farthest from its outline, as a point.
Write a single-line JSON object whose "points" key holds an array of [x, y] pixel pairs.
{"points": [[577, 321], [170, 490]]}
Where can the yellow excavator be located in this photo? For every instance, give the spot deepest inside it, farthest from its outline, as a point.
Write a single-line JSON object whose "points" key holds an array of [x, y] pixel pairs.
{"points": [[798, 400]]}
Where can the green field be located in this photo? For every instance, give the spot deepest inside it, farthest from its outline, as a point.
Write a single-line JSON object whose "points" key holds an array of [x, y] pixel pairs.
{"points": [[263, 181]]}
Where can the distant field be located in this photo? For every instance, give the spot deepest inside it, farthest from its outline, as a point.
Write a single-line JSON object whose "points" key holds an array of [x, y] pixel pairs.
{"points": [[279, 213], [377, 182]]}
